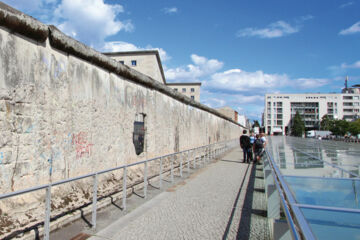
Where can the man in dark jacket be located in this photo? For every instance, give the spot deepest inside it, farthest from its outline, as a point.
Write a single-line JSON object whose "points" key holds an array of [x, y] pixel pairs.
{"points": [[246, 147]]}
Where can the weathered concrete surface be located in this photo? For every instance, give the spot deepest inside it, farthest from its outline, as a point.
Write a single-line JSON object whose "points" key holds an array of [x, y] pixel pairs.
{"points": [[67, 110]]}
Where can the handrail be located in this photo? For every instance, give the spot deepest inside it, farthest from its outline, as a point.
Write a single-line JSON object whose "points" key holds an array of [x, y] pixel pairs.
{"points": [[212, 151], [296, 221]]}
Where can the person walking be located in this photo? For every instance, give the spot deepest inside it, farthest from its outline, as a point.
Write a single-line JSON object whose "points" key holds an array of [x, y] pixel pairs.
{"points": [[245, 145], [252, 141], [258, 148]]}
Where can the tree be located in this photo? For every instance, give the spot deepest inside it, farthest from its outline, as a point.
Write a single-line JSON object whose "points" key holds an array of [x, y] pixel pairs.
{"points": [[298, 126], [326, 123], [354, 127], [340, 127]]}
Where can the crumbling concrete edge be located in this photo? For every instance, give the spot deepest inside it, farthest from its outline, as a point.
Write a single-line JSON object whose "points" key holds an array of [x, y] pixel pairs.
{"points": [[23, 24]]}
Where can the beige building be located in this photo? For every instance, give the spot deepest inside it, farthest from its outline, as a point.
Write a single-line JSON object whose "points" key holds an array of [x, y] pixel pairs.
{"points": [[192, 90], [147, 62], [230, 113]]}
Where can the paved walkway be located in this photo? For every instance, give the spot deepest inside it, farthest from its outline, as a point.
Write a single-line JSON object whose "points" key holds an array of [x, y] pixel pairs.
{"points": [[224, 200]]}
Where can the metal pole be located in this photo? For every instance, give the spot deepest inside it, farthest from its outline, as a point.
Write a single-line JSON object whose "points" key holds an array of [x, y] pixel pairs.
{"points": [[188, 161], [47, 213], [93, 216], [161, 170], [145, 179], [194, 156], [124, 188], [181, 164], [172, 168]]}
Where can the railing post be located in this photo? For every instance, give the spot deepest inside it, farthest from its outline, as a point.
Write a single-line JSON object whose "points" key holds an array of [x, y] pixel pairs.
{"points": [[94, 204], [124, 188], [181, 164], [47, 213], [194, 157], [172, 168], [145, 179], [160, 174], [188, 161]]}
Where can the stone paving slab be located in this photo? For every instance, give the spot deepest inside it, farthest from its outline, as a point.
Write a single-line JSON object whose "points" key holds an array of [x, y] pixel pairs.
{"points": [[214, 203]]}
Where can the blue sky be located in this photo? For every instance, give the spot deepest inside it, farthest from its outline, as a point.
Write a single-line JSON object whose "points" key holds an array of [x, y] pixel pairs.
{"points": [[239, 50]]}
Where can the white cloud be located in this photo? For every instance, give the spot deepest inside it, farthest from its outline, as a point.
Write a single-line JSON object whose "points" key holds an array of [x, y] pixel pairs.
{"points": [[119, 46], [311, 82], [237, 80], [214, 102], [170, 10], [274, 30], [354, 65], [351, 30], [306, 18], [90, 21], [346, 4], [201, 67]]}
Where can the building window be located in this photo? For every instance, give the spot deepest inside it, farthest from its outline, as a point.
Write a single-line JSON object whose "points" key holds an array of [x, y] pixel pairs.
{"points": [[184, 90], [347, 97], [175, 89], [192, 89], [133, 63], [356, 97], [193, 97], [122, 62]]}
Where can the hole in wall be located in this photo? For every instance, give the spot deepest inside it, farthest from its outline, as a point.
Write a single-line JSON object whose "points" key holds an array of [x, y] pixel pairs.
{"points": [[139, 133]]}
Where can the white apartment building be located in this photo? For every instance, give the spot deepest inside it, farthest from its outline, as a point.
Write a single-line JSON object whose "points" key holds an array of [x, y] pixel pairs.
{"points": [[281, 108]]}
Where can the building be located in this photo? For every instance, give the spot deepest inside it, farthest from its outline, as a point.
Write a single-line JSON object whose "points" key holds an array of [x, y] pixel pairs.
{"points": [[281, 108], [230, 113], [192, 90], [147, 62]]}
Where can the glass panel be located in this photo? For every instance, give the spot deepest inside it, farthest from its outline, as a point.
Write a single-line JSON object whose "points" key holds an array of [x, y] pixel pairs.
{"points": [[343, 193], [327, 224]]}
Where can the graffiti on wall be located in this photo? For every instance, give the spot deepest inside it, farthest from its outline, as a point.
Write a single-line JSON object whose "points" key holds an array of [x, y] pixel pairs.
{"points": [[82, 144]]}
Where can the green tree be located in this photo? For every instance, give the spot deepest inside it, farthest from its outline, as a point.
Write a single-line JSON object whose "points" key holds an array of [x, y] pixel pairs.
{"points": [[340, 127], [298, 126], [326, 123], [354, 127]]}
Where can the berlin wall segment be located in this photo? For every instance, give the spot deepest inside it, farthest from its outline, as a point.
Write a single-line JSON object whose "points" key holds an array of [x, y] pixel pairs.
{"points": [[63, 116]]}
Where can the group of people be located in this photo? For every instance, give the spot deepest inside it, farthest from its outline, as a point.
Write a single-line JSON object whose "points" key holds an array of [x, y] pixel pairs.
{"points": [[253, 146]]}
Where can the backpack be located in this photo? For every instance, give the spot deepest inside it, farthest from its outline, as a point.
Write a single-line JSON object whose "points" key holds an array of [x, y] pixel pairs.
{"points": [[258, 143]]}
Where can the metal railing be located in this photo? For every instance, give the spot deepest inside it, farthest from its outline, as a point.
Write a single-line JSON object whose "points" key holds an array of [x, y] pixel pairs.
{"points": [[295, 219], [197, 156]]}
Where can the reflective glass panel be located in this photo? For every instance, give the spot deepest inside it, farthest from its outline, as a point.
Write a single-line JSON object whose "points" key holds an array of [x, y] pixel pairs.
{"points": [[337, 225]]}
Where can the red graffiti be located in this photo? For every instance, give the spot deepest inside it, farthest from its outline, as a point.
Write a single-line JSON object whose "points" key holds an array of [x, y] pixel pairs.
{"points": [[82, 145]]}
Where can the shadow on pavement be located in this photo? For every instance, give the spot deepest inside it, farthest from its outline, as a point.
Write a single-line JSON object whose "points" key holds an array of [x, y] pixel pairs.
{"points": [[251, 167]]}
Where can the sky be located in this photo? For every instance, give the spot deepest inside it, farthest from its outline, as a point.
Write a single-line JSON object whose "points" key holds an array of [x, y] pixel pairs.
{"points": [[238, 49]]}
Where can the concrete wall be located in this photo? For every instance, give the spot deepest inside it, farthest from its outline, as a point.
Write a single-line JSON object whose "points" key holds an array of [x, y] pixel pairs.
{"points": [[67, 110]]}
